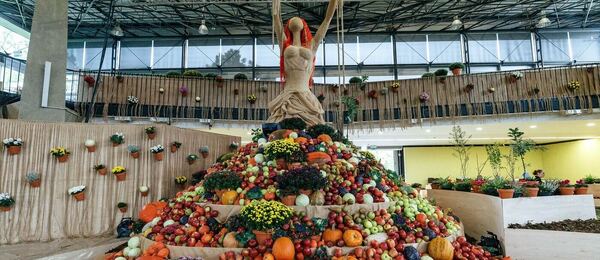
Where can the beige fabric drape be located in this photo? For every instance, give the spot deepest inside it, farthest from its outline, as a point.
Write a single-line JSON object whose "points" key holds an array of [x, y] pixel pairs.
{"points": [[49, 212]]}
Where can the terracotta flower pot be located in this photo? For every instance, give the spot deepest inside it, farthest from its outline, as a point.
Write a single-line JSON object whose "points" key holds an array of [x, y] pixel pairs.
{"points": [[306, 192], [135, 155], [5, 209], [36, 183], [173, 148], [121, 176], [566, 190], [102, 171], [261, 236], [14, 149], [62, 159], [144, 193], [79, 196], [190, 162], [435, 186], [123, 209], [289, 200], [158, 156], [506, 193], [581, 191], [204, 155], [91, 149], [457, 71], [151, 136], [532, 191], [115, 144], [532, 183]]}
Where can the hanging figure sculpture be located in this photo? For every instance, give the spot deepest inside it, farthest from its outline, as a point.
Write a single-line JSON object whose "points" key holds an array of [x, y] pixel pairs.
{"points": [[298, 48]]}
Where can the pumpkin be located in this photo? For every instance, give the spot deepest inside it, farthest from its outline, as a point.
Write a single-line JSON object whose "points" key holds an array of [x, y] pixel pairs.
{"points": [[229, 197], [302, 200], [283, 249], [301, 140], [152, 210], [332, 235], [317, 198], [318, 158], [325, 138], [440, 249], [352, 238], [229, 241], [411, 253]]}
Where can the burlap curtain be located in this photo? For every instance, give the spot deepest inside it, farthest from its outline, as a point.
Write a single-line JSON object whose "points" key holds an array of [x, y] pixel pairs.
{"points": [[49, 212]]}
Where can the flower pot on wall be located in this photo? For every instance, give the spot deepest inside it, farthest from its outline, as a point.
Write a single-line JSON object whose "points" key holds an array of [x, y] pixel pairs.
{"points": [[289, 200], [158, 156], [151, 136], [144, 193], [121, 176], [506, 193], [36, 183], [173, 148], [14, 149], [135, 155], [102, 171], [79, 196], [123, 209], [456, 71], [91, 149], [5, 209], [63, 158], [261, 236], [581, 191], [204, 155], [566, 190]]}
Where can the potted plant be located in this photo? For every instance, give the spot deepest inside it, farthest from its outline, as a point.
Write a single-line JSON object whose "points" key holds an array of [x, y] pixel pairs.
{"points": [[263, 88], [34, 179], [133, 100], [240, 76], [514, 76], [447, 184], [531, 188], [13, 145], [287, 189], [477, 184], [204, 151], [460, 144], [120, 172], [373, 94], [456, 68], [506, 190], [183, 90], [181, 181], [490, 187], [234, 146], [134, 151], [321, 98], [100, 168], [151, 132], [436, 183], [120, 78], [6, 201], [90, 145], [117, 139], [251, 98], [220, 182], [441, 75], [77, 192], [262, 217], [581, 187], [548, 187], [89, 80], [175, 146], [394, 87], [494, 157], [191, 158], [424, 97], [157, 151], [280, 150], [122, 207], [573, 85], [566, 188], [464, 185], [334, 88], [360, 81], [144, 190], [589, 179], [520, 147], [427, 75], [60, 153], [220, 81]]}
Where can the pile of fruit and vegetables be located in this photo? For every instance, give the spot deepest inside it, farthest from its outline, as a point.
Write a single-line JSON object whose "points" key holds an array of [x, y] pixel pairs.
{"points": [[315, 168]]}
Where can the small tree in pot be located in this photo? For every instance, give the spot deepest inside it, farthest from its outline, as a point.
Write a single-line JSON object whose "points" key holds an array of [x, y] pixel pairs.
{"points": [[456, 68]]}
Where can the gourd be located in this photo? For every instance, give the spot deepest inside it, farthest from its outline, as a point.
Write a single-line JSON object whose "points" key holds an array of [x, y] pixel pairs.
{"points": [[318, 158], [349, 198], [135, 252], [302, 200], [411, 253], [229, 241], [352, 238], [228, 198], [440, 249], [301, 140], [283, 249], [332, 235], [317, 198], [368, 199], [325, 138]]}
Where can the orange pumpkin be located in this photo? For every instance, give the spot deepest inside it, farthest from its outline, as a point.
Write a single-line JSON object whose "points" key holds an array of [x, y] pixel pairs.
{"points": [[283, 249], [332, 235], [164, 253], [352, 238], [268, 256], [318, 158], [301, 140], [152, 210], [228, 198], [269, 196], [325, 138]]}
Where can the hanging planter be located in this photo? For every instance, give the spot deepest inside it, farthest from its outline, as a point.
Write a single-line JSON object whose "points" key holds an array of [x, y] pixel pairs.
{"points": [[441, 75], [78, 192], [589, 69], [234, 146], [204, 151], [120, 78], [191, 159], [469, 87], [120, 172], [424, 97], [150, 132], [394, 87], [90, 145], [491, 90], [60, 153], [236, 91], [573, 85], [13, 145], [456, 68], [100, 169], [181, 181], [220, 81], [263, 88], [161, 90], [346, 91], [183, 90], [251, 98], [6, 202], [373, 94], [117, 139], [133, 100], [122, 207], [175, 146], [89, 80], [514, 76], [321, 97], [536, 91], [144, 190], [157, 151], [134, 151], [335, 88], [34, 179], [198, 99]]}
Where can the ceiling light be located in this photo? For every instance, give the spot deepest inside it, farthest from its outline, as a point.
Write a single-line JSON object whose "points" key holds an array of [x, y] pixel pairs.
{"points": [[203, 30], [117, 31], [479, 129], [543, 22], [456, 24], [533, 126], [590, 124]]}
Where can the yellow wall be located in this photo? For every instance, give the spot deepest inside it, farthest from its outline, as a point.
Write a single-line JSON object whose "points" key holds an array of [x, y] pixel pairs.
{"points": [[572, 160], [421, 163]]}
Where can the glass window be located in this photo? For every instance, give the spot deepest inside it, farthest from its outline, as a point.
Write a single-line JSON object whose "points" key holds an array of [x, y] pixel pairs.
{"points": [[376, 49], [167, 54], [236, 52], [350, 51], [507, 68], [586, 46], [93, 51], [444, 48], [267, 54], [204, 52], [268, 74], [555, 47], [135, 54], [515, 47], [374, 75], [411, 73], [481, 69], [482, 47], [411, 49], [75, 55]]}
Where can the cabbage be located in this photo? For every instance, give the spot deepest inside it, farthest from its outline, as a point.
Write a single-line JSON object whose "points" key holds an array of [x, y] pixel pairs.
{"points": [[134, 242]]}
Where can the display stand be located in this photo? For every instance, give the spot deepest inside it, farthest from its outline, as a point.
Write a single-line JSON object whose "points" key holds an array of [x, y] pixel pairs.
{"points": [[543, 244]]}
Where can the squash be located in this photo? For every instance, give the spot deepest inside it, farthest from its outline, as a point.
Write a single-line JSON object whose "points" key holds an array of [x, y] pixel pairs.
{"points": [[283, 249], [318, 158], [229, 197], [324, 138], [332, 235], [229, 241], [301, 140], [352, 238], [317, 198], [440, 249], [268, 256], [152, 210], [411, 253], [302, 200]]}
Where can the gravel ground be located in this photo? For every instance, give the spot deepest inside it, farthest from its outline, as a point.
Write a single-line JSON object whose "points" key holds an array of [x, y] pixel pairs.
{"points": [[584, 226]]}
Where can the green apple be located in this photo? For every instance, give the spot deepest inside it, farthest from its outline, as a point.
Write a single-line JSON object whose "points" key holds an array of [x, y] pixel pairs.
{"points": [[371, 215]]}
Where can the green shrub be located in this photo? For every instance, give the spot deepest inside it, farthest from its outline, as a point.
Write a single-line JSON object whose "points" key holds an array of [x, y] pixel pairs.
{"points": [[240, 76]]}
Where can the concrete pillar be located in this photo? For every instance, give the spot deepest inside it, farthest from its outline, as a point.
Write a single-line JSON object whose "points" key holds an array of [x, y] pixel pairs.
{"points": [[47, 42]]}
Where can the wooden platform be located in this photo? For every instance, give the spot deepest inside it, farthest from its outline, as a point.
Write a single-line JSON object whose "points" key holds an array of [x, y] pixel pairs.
{"points": [[527, 244]]}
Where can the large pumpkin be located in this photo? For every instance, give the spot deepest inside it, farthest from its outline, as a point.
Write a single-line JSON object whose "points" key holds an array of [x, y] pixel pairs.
{"points": [[325, 138], [352, 238], [152, 210], [318, 158], [283, 249], [440, 249], [228, 198], [332, 235]]}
